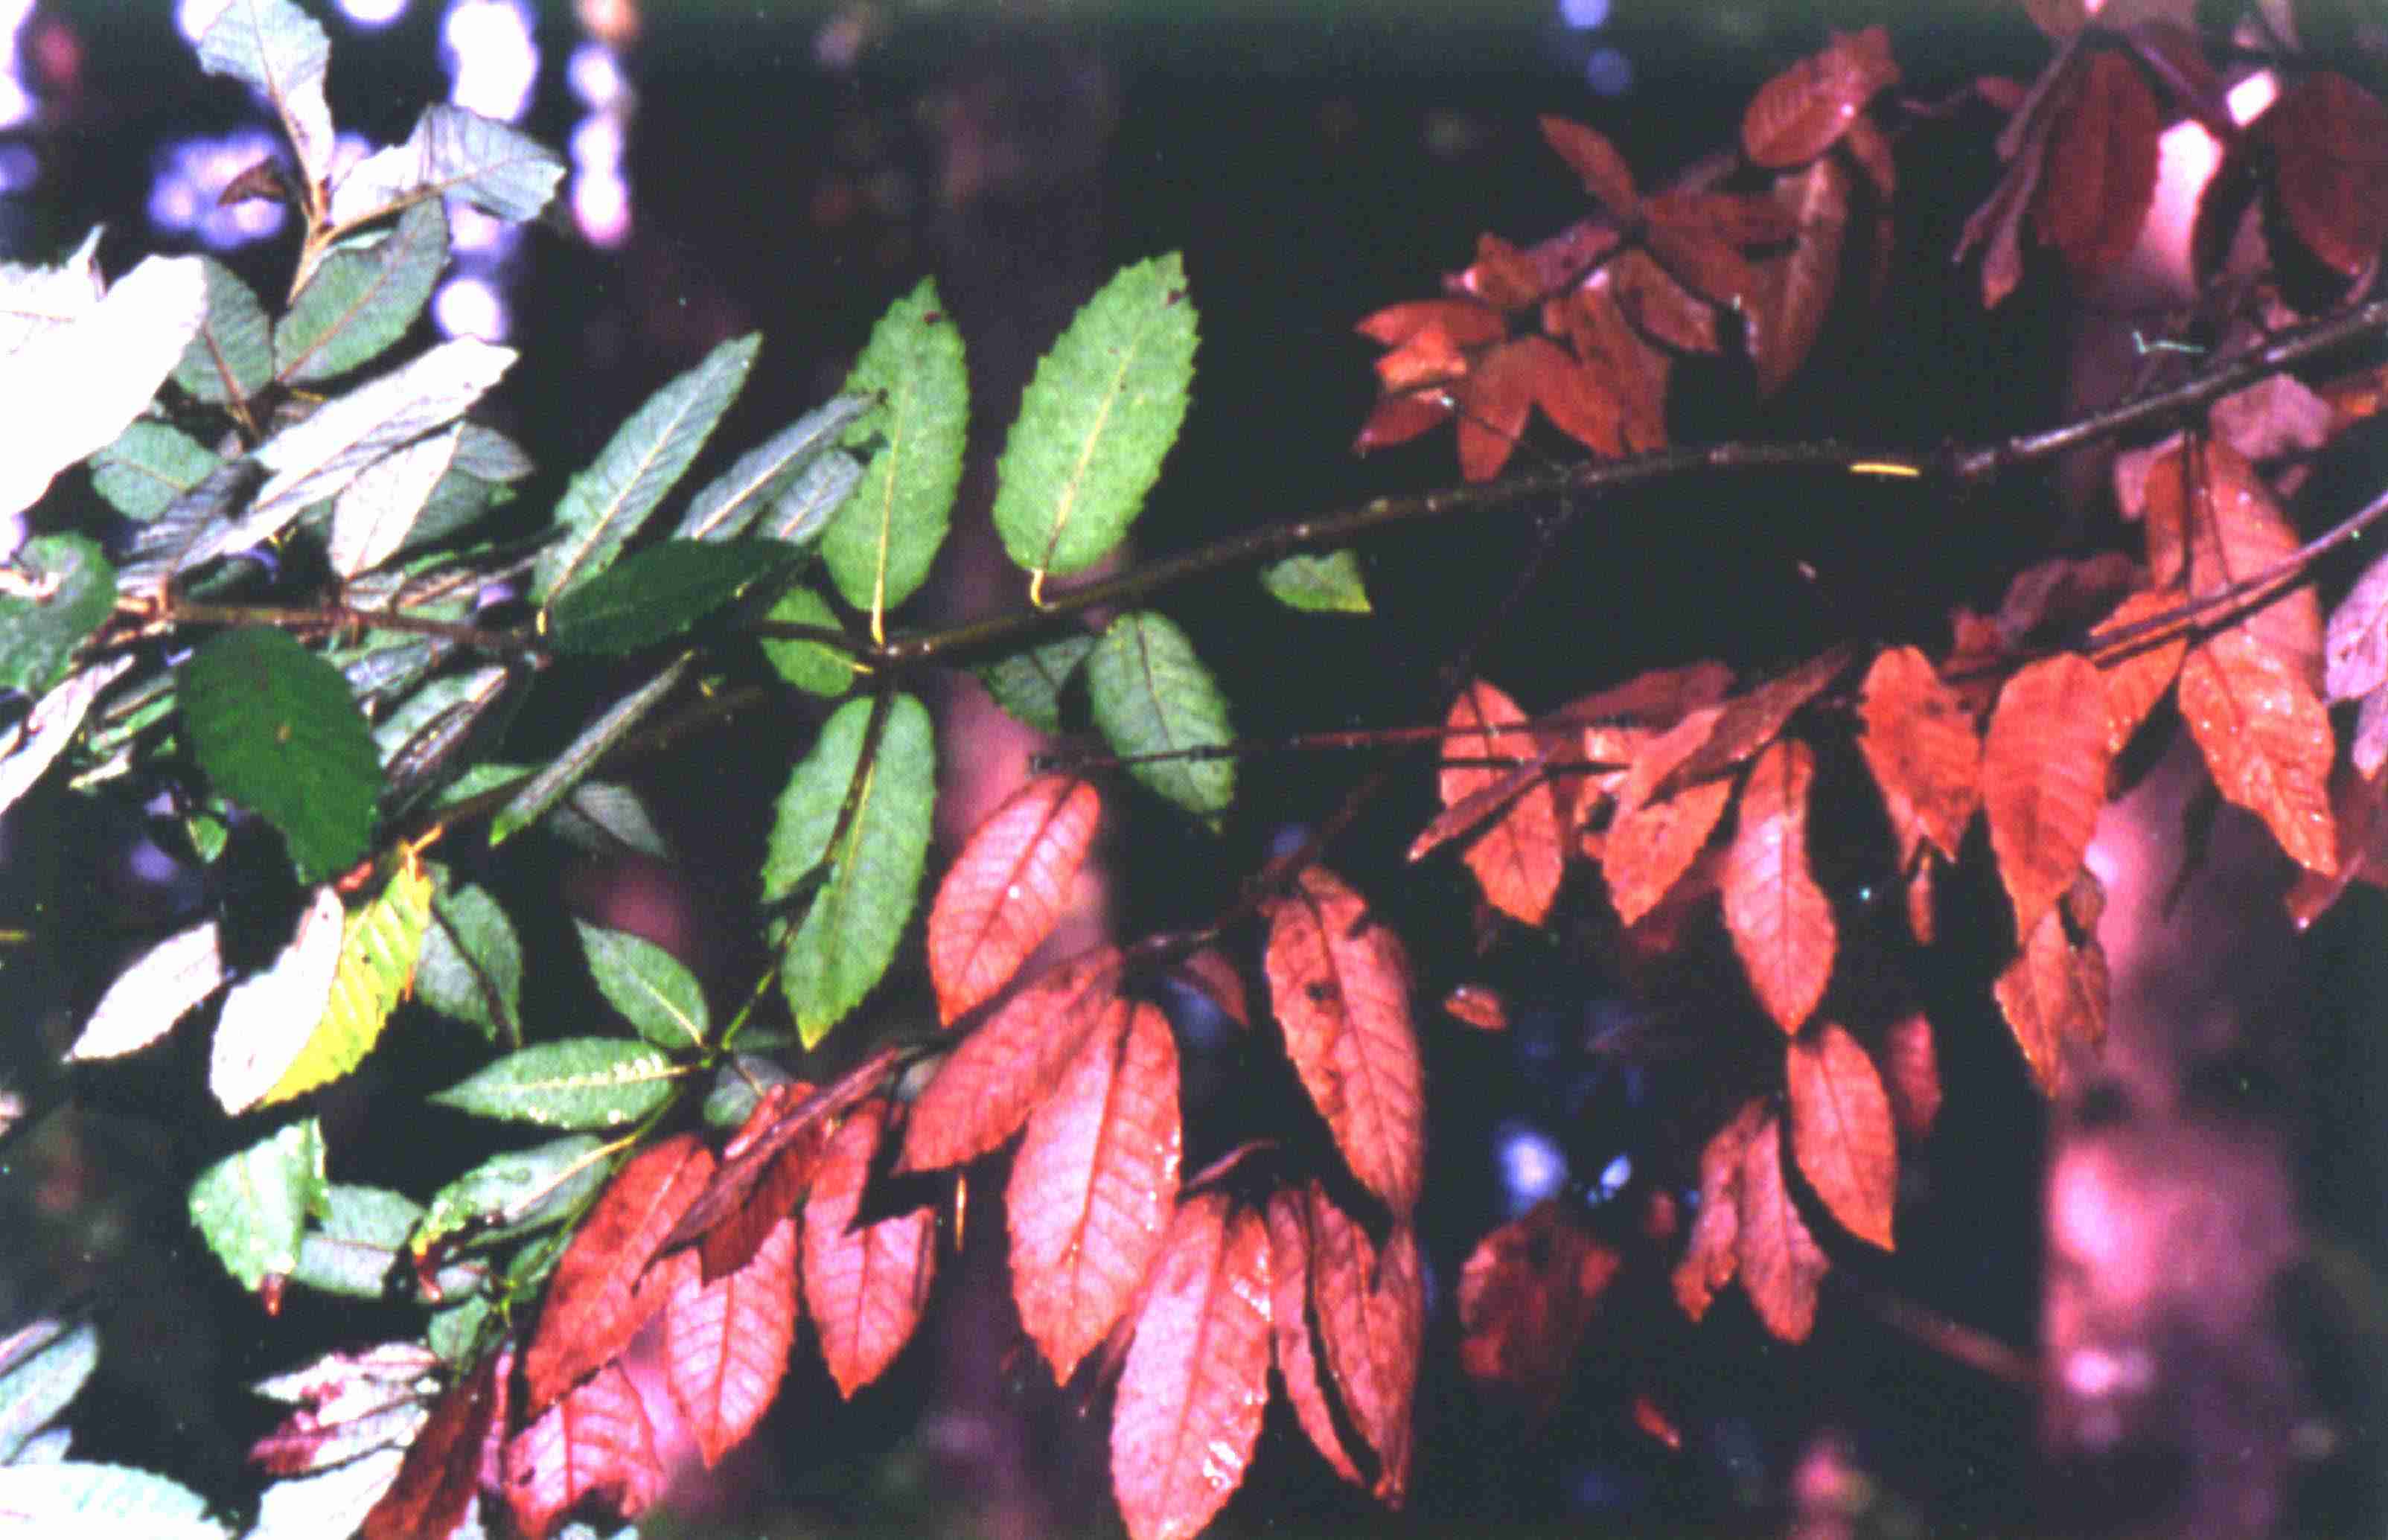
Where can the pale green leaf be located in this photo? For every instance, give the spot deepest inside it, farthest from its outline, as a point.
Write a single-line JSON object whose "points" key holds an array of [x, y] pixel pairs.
{"points": [[42, 1366], [1328, 584], [276, 731], [1103, 408], [810, 666], [102, 1502], [374, 513], [570, 768], [149, 998], [471, 967], [335, 1500], [451, 153], [578, 1083], [277, 51], [39, 298], [762, 477], [1151, 695], [58, 590], [30, 747], [653, 989], [269, 1017], [607, 818], [232, 357], [361, 298], [149, 467], [253, 1206], [882, 539], [352, 1249], [516, 1192], [648, 454], [1028, 685]]}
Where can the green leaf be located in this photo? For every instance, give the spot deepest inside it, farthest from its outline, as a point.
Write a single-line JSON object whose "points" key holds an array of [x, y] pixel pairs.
{"points": [[1328, 584], [1029, 683], [275, 730], [361, 298], [570, 768], [1152, 695], [605, 818], [471, 967], [1104, 408], [762, 477], [657, 593], [253, 1206], [379, 945], [832, 957], [42, 1366], [452, 153], [58, 589], [646, 456], [425, 735], [578, 1083], [655, 992], [455, 1333], [351, 1250], [31, 746], [232, 356], [738, 1086], [375, 513], [516, 1192], [810, 666], [275, 49], [103, 1501], [884, 537], [149, 467]]}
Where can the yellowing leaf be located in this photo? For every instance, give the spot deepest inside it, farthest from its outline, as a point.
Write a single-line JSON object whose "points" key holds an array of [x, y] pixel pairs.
{"points": [[379, 945]]}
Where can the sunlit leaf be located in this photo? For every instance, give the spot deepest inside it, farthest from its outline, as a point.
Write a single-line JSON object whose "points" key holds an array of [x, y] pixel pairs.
{"points": [[804, 1113], [1103, 408], [1190, 1396], [2044, 780], [356, 1241], [375, 512], [764, 480], [865, 1284], [79, 1498], [2210, 514], [1518, 858], [577, 1083], [269, 1017], [1326, 584], [252, 1206], [1008, 1064], [2139, 673], [1653, 840], [1526, 1295], [569, 768], [1094, 1185], [1151, 695], [646, 457], [653, 989], [149, 467], [1341, 987], [811, 666], [1750, 720], [471, 965], [451, 153], [1781, 1264], [514, 1191], [380, 944], [1920, 743], [232, 357], [1008, 888], [42, 1366], [361, 298], [277, 731], [2267, 740], [726, 1342], [2355, 655], [2053, 996], [1371, 1310], [277, 51], [841, 947], [1780, 920], [348, 1404], [1841, 1131], [655, 594], [881, 539], [596, 1442]]}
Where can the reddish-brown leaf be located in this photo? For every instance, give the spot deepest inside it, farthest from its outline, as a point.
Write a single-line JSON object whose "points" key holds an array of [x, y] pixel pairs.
{"points": [[2210, 514], [1684, 238], [2044, 780], [1210, 972], [1655, 1424], [1341, 987], [1526, 1294], [2267, 738], [1802, 282], [1751, 720], [1780, 920], [759, 1145], [1518, 857], [1595, 163], [1371, 1329], [1195, 1381], [1841, 1131], [1781, 1264], [1910, 1066], [1493, 404], [1502, 275], [2101, 152], [1654, 839], [2137, 673], [726, 1342], [865, 1285], [1803, 111], [1093, 1187], [1464, 321], [1628, 412], [594, 1306], [1657, 699], [1400, 418], [1009, 888], [2329, 139], [1297, 1350], [1661, 307], [2278, 414], [436, 1480], [987, 1085], [2053, 996], [1871, 149], [1479, 1005], [1581, 401], [730, 1244], [1920, 743], [1713, 1254], [594, 1442]]}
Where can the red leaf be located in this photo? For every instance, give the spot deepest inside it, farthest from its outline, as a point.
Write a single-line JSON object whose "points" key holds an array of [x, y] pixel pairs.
{"points": [[1920, 743], [1780, 920], [1464, 322], [2054, 995], [1652, 1420], [1190, 1396], [1803, 111], [1341, 992], [1652, 839], [1580, 400], [1841, 1131], [1371, 1328], [1297, 1350], [1526, 1294], [730, 1244], [1782, 331], [1911, 1064], [1781, 1264], [443, 1467], [1595, 163], [1008, 889], [1622, 408], [1502, 275], [2137, 673], [1751, 720], [1682, 235], [1714, 1253], [987, 1086], [1657, 699], [759, 1145], [2101, 152], [1518, 858], [594, 1442], [2044, 780], [2329, 139], [2211, 514], [2267, 738], [1398, 419], [1659, 307], [348, 1404], [865, 1285], [1495, 401], [1093, 1185], [726, 1342], [594, 1306], [1479, 1005]]}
